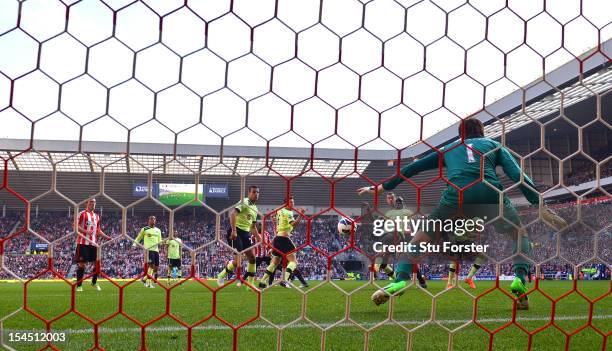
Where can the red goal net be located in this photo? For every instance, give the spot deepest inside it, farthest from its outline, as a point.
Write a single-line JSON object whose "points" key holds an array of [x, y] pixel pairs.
{"points": [[175, 109]]}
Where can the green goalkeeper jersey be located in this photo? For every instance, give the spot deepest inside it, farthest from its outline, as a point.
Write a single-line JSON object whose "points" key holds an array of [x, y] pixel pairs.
{"points": [[174, 248], [463, 168], [152, 238], [284, 217], [247, 214]]}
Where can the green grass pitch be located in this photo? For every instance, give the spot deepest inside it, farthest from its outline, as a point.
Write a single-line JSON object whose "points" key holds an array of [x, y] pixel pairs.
{"points": [[324, 305]]}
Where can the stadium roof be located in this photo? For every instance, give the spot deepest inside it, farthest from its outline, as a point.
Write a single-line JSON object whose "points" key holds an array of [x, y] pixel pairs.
{"points": [[563, 86], [165, 164]]}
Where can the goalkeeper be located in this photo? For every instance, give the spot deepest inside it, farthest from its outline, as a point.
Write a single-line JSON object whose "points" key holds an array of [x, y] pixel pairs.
{"points": [[470, 165]]}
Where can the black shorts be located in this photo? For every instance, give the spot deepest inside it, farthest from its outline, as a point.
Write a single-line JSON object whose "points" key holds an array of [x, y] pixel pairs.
{"points": [[86, 253], [265, 259], [154, 258], [242, 241], [174, 262], [282, 245]]}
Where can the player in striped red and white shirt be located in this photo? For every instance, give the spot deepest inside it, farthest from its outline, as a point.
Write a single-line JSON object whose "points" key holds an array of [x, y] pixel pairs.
{"points": [[89, 231], [262, 252]]}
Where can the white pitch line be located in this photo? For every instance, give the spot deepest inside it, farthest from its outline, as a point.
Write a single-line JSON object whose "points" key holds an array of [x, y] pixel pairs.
{"points": [[307, 325]]}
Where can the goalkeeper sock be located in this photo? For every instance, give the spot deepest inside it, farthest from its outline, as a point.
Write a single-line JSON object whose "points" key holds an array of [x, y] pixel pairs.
{"points": [[79, 275], [290, 267], [229, 268]]}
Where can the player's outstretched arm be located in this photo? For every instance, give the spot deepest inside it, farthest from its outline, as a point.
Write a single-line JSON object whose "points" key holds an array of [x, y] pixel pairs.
{"points": [[431, 161], [370, 190]]}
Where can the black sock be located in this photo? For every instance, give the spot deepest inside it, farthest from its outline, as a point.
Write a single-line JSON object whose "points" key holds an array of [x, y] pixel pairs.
{"points": [[80, 272], [420, 277], [94, 279], [155, 275], [271, 278], [298, 273]]}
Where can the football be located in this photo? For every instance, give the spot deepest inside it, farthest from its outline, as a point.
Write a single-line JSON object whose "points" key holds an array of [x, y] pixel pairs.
{"points": [[344, 226]]}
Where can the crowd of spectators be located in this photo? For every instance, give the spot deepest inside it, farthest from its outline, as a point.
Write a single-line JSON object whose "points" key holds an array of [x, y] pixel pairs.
{"points": [[583, 170], [119, 259], [557, 252]]}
